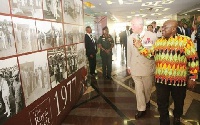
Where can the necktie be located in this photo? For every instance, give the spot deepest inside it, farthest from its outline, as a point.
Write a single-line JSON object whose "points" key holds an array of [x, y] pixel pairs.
{"points": [[91, 38]]}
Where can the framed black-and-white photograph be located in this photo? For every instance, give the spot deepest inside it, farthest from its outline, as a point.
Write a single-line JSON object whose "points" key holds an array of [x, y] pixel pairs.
{"points": [[57, 65], [72, 59], [58, 33], [72, 11], [35, 76], [45, 35], [52, 10], [30, 8], [4, 7], [81, 55], [11, 95], [7, 42], [71, 34], [25, 35], [81, 34]]}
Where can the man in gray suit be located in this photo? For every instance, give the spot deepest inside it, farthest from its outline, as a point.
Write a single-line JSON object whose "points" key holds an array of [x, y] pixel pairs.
{"points": [[140, 68]]}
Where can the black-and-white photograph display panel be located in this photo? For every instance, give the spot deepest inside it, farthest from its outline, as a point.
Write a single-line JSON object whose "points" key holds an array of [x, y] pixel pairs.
{"points": [[30, 8], [25, 35], [58, 33], [45, 35], [35, 76], [71, 34], [7, 42], [57, 65], [71, 53], [72, 11], [81, 55], [81, 34], [11, 95], [52, 10], [4, 7]]}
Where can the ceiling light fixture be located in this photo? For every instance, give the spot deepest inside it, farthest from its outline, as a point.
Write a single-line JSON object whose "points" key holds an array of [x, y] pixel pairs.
{"points": [[198, 10], [121, 2], [109, 2]]}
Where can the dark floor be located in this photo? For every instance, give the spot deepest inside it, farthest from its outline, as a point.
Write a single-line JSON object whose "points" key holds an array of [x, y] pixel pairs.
{"points": [[113, 102]]}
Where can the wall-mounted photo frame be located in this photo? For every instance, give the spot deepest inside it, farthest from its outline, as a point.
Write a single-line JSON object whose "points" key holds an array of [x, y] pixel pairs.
{"points": [[11, 94], [7, 42], [57, 65], [4, 6], [58, 34], [29, 8], [35, 76]]}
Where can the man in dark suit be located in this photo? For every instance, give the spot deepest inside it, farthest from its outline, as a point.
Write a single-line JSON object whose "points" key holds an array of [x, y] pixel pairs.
{"points": [[91, 50], [180, 29]]}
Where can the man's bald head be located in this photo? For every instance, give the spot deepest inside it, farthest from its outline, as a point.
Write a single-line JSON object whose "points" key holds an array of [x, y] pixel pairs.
{"points": [[169, 28]]}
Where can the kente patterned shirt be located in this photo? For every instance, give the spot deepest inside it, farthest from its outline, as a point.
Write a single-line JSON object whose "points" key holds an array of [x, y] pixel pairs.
{"points": [[176, 60]]}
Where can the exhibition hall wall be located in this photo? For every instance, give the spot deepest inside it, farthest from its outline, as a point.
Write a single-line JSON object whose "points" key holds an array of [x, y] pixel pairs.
{"points": [[42, 60]]}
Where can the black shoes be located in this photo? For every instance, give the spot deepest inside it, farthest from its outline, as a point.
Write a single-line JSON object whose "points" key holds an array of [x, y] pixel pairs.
{"points": [[148, 105], [140, 114], [176, 121]]}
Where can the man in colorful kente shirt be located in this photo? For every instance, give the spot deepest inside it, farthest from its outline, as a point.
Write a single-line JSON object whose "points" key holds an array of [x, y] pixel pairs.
{"points": [[177, 66]]}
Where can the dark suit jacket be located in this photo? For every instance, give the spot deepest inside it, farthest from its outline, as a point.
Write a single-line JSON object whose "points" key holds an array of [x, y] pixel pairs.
{"points": [[179, 31], [90, 46]]}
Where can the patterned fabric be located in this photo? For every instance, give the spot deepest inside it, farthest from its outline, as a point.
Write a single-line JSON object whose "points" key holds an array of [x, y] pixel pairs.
{"points": [[175, 59]]}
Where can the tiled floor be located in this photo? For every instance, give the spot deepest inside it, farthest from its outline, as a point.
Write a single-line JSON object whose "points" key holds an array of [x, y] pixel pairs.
{"points": [[113, 102]]}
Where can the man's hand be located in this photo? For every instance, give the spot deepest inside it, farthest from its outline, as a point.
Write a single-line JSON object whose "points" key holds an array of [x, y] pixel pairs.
{"points": [[137, 43], [191, 84], [91, 56]]}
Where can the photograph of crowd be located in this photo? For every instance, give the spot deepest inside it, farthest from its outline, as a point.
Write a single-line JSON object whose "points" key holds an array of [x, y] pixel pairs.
{"points": [[71, 53], [45, 35], [7, 44], [52, 10], [81, 34], [11, 95], [57, 66], [30, 8], [25, 35], [81, 55], [4, 7], [35, 76], [71, 34], [58, 34], [73, 11]]}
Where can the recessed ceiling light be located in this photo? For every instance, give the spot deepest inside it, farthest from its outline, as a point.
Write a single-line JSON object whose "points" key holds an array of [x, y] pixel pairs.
{"points": [[109, 2], [186, 14], [198, 10], [128, 16]]}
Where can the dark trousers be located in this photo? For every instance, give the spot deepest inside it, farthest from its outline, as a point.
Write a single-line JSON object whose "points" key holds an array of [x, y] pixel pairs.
{"points": [[178, 94], [107, 65], [92, 64]]}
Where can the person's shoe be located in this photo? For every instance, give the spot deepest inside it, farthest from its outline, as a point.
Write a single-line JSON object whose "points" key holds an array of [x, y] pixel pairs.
{"points": [[148, 105], [176, 121], [140, 114]]}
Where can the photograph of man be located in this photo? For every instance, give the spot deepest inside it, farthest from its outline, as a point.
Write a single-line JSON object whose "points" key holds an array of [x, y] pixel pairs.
{"points": [[35, 76], [91, 50], [45, 35], [72, 59], [140, 68], [57, 66], [11, 96], [25, 35], [58, 34], [106, 43], [4, 6], [72, 11], [31, 8], [71, 34], [174, 72], [52, 10], [7, 42]]}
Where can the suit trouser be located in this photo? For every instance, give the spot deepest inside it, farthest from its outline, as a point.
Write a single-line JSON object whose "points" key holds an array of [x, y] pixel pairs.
{"points": [[92, 64], [178, 94], [107, 65], [143, 85]]}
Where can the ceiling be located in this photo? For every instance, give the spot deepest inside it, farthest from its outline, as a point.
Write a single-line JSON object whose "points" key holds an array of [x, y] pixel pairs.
{"points": [[123, 10]]}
